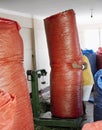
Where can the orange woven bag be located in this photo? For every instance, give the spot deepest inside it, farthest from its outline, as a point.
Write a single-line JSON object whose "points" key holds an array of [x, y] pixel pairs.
{"points": [[7, 110], [12, 75]]}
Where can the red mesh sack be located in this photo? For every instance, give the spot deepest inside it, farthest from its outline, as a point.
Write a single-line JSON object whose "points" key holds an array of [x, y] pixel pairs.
{"points": [[93, 126], [12, 75], [64, 51], [99, 58], [7, 110]]}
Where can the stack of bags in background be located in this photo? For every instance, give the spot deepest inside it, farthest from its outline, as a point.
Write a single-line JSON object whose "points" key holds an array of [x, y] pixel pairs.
{"points": [[96, 65]]}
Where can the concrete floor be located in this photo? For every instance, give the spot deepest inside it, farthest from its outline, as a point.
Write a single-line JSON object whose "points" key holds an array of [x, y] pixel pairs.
{"points": [[89, 113]]}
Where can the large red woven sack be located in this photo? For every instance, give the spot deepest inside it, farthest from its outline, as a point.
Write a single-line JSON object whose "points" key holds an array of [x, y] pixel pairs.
{"points": [[7, 110], [93, 126], [64, 51], [12, 75]]}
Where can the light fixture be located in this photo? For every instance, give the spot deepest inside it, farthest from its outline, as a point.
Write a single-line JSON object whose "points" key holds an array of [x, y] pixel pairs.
{"points": [[91, 13]]}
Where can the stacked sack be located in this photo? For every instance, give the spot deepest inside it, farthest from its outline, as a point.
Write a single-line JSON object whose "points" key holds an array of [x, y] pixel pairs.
{"points": [[65, 78], [98, 95], [99, 58], [91, 55]]}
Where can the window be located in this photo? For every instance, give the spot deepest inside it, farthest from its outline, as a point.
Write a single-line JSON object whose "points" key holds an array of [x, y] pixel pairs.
{"points": [[91, 39]]}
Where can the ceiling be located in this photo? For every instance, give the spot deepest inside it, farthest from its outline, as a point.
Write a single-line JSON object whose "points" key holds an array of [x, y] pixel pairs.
{"points": [[45, 8]]}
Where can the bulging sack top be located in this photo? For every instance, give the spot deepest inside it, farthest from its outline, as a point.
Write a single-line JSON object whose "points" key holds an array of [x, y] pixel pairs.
{"points": [[4, 23], [11, 47]]}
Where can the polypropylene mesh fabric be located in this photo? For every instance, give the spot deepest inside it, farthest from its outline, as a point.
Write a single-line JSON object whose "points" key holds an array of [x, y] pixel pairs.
{"points": [[7, 110], [64, 50], [93, 126], [99, 58], [12, 76]]}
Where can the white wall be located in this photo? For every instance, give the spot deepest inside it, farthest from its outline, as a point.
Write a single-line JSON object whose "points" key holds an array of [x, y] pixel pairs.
{"points": [[42, 57], [90, 36], [27, 34]]}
